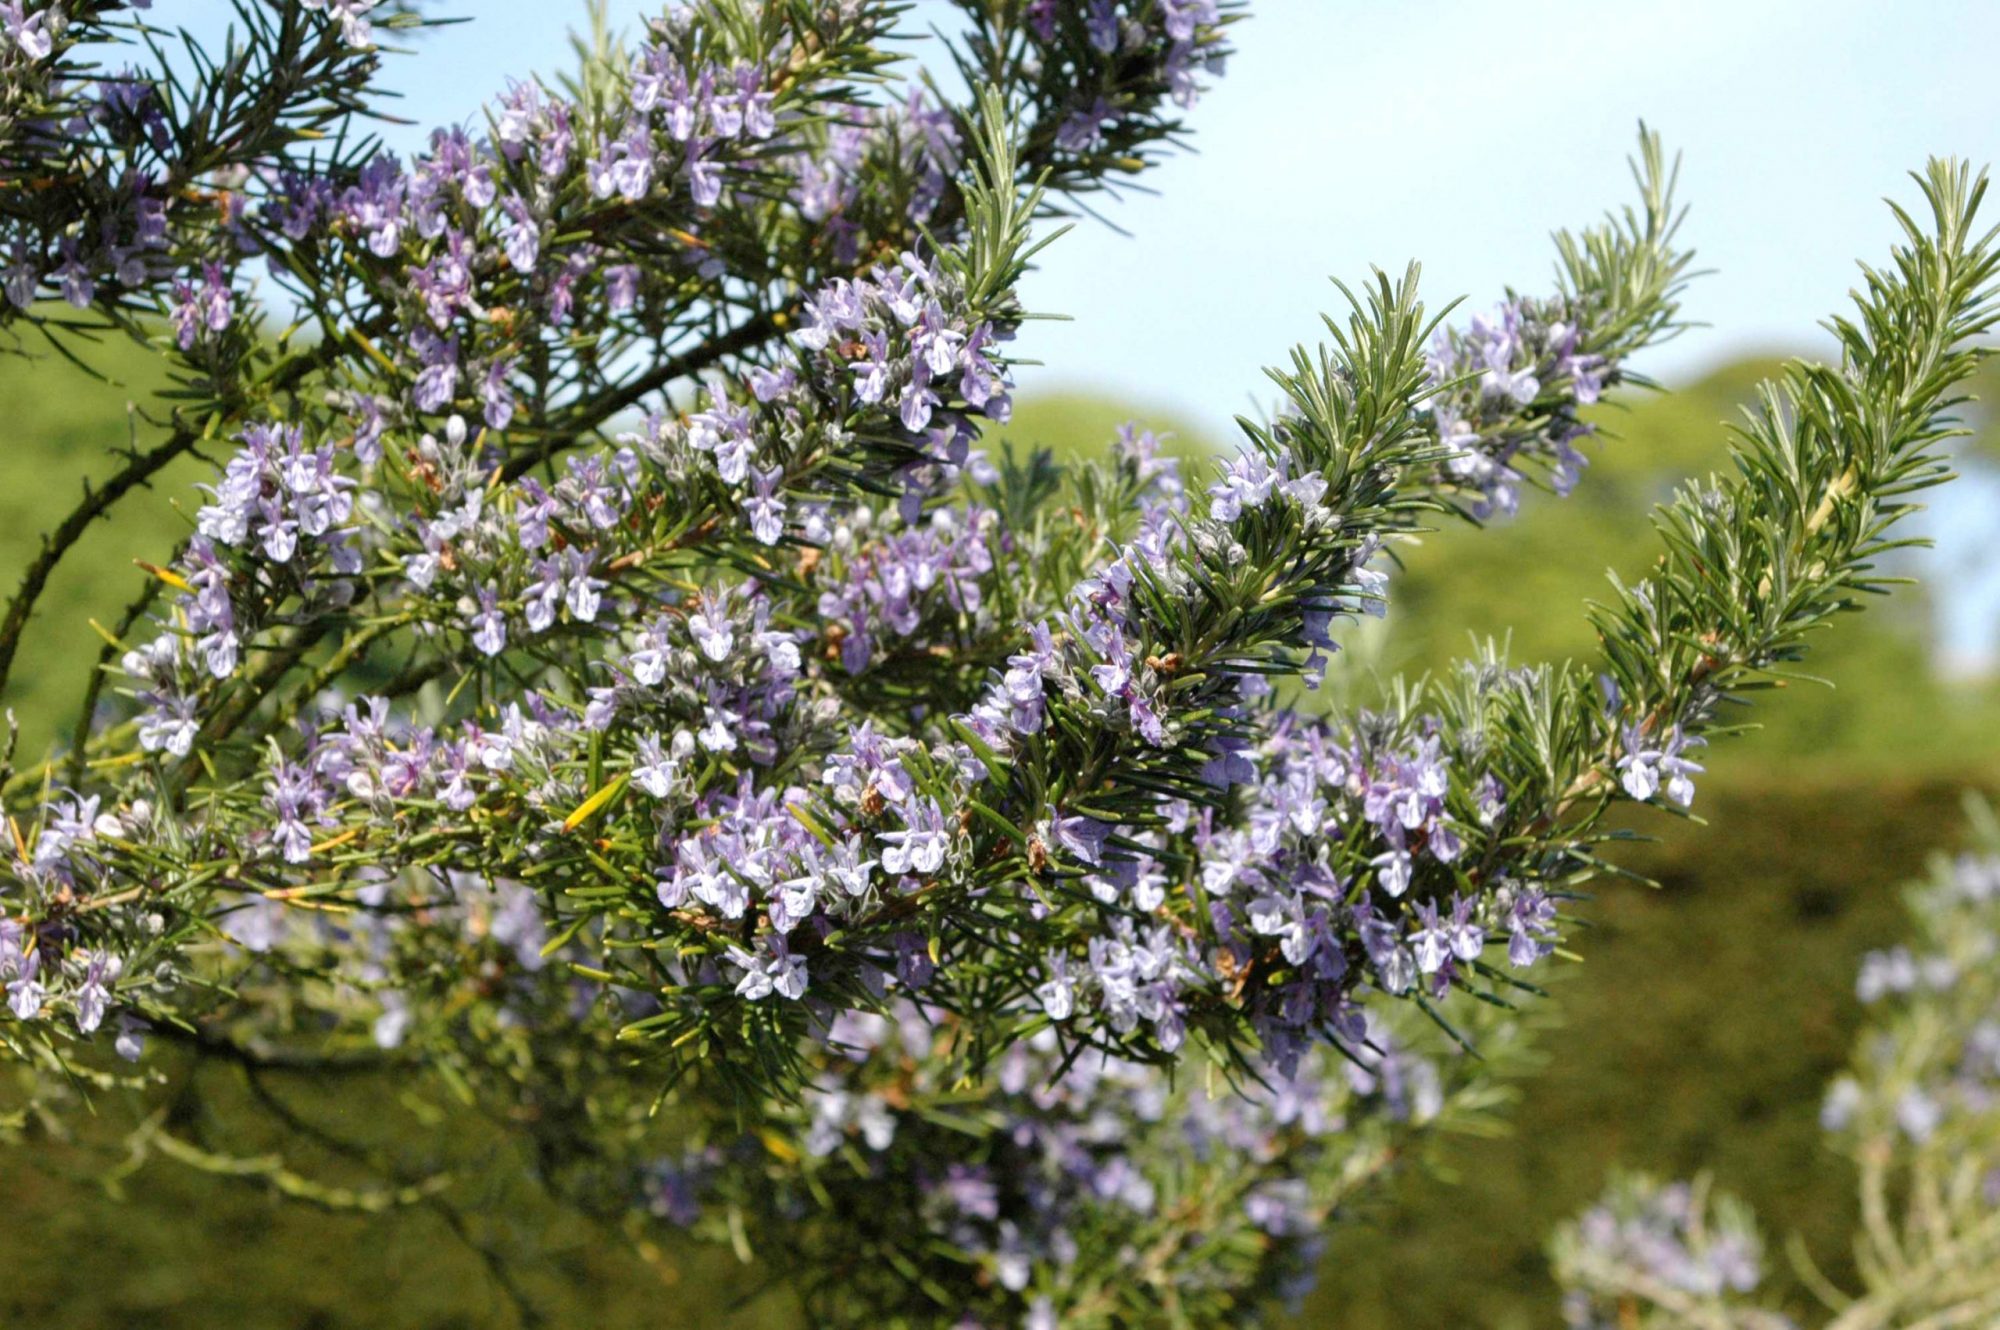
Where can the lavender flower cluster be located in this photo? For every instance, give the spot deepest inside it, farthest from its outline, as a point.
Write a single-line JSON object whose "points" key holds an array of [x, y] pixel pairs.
{"points": [[46, 965], [122, 245], [469, 250], [1271, 887], [1527, 355], [121, 205], [468, 246], [1272, 891], [1058, 1166], [1175, 37], [1691, 1253], [496, 552], [915, 143], [1928, 1073]]}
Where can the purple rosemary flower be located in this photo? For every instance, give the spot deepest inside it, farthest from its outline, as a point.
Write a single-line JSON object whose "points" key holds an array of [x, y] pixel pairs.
{"points": [[920, 845], [25, 993], [352, 15], [1643, 767], [771, 969], [489, 626], [624, 164], [30, 32], [93, 995], [710, 625], [1531, 932], [764, 508]]}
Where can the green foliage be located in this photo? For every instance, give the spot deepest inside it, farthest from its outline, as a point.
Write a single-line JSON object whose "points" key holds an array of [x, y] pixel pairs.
{"points": [[1764, 1026], [61, 423], [1887, 709], [1461, 583]]}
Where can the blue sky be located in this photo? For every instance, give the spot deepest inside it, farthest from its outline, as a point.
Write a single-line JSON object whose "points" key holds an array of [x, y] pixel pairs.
{"points": [[1350, 134]]}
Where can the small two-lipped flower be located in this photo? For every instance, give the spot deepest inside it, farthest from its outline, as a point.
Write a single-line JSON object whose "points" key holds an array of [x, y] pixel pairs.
{"points": [[33, 33], [771, 969], [352, 16], [1648, 764]]}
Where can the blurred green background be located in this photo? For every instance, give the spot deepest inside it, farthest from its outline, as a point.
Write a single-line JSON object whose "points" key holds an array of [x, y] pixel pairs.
{"points": [[1698, 1033]]}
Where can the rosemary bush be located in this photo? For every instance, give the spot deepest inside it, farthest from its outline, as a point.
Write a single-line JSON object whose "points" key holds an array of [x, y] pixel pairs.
{"points": [[625, 674]]}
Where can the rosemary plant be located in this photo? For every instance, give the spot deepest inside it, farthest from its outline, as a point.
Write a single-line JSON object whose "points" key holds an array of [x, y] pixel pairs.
{"points": [[624, 669]]}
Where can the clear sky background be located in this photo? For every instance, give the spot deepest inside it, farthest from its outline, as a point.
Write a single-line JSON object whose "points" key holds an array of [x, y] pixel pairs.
{"points": [[1356, 132]]}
